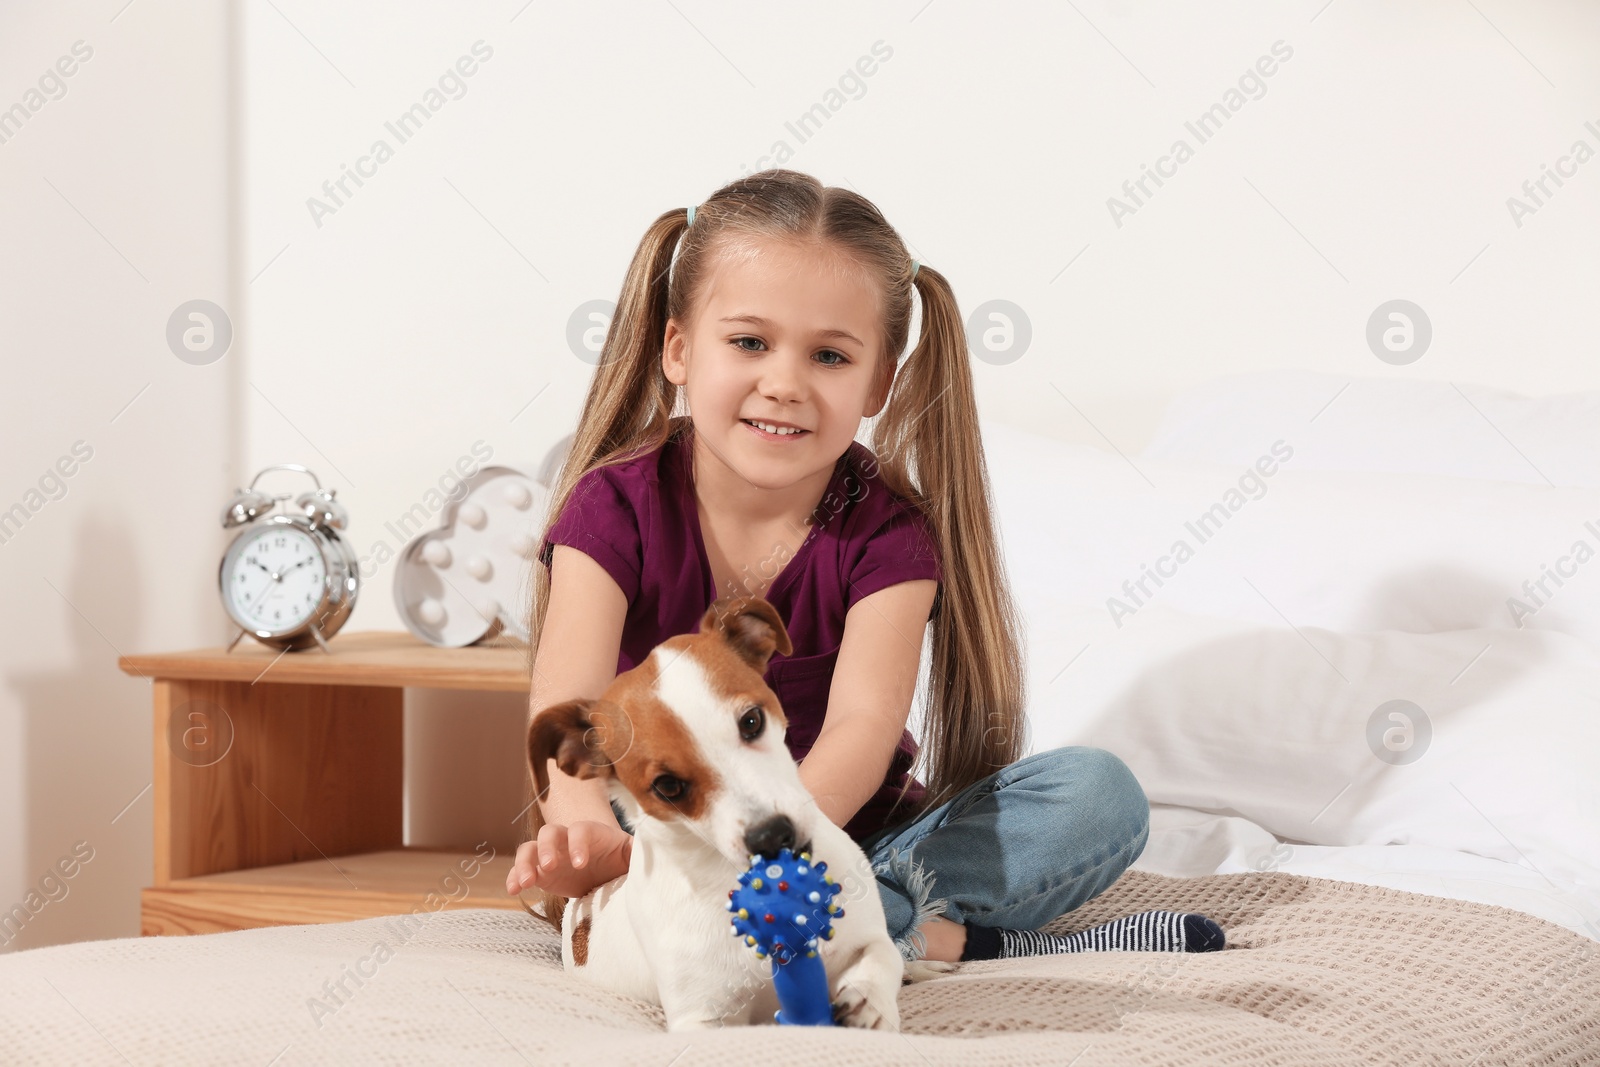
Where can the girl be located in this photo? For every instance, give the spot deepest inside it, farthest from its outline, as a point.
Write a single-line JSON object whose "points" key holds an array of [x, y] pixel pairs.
{"points": [[778, 326]]}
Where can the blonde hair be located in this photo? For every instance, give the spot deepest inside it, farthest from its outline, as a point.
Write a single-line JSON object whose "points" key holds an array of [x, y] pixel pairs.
{"points": [[926, 441]]}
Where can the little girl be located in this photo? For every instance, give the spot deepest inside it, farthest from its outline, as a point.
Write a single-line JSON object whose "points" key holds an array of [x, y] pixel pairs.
{"points": [[775, 312]]}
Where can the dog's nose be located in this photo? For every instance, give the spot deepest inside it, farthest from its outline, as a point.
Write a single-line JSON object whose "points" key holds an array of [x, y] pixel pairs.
{"points": [[768, 837]]}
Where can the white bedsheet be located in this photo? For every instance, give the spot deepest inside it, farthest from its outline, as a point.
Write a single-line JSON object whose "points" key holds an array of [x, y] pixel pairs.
{"points": [[1186, 842]]}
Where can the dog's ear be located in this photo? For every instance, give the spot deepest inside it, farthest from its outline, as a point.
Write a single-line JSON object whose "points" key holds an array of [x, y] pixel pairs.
{"points": [[572, 733], [751, 627]]}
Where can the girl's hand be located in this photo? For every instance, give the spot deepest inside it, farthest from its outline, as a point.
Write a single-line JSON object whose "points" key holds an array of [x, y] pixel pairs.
{"points": [[570, 861]]}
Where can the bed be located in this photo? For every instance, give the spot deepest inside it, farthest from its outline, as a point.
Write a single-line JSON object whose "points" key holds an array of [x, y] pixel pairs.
{"points": [[1364, 712]]}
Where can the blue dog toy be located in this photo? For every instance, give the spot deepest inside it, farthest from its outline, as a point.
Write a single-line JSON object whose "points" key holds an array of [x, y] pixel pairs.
{"points": [[783, 908]]}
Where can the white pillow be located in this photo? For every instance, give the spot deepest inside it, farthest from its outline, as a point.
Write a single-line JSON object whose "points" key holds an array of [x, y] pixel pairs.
{"points": [[1344, 551], [1285, 728], [1340, 422]]}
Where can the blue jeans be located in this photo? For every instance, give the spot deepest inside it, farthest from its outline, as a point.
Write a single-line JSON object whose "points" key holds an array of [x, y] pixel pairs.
{"points": [[1019, 848]]}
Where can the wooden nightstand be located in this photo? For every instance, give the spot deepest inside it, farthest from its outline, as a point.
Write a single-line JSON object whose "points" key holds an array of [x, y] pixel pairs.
{"points": [[278, 784]]}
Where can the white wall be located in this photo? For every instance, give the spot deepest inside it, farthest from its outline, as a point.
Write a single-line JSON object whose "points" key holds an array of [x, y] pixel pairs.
{"points": [[116, 210], [431, 310]]}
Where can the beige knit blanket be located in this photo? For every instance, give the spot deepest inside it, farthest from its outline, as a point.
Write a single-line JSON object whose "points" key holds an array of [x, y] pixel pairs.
{"points": [[1316, 972]]}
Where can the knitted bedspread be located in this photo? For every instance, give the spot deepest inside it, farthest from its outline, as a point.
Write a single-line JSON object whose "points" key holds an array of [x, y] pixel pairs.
{"points": [[1315, 972]]}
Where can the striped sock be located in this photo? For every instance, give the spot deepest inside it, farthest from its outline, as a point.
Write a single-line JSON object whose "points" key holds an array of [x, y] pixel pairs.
{"points": [[1148, 931]]}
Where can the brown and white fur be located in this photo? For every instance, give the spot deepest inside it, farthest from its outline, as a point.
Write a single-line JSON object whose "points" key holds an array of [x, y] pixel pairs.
{"points": [[691, 744]]}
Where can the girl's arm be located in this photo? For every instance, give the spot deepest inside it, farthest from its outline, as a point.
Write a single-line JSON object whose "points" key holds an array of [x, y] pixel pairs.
{"points": [[577, 658], [870, 698]]}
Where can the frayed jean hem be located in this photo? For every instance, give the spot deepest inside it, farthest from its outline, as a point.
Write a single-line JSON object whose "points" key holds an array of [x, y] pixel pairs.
{"points": [[917, 882]]}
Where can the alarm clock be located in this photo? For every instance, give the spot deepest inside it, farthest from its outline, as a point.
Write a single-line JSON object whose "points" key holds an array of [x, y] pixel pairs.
{"points": [[289, 579]]}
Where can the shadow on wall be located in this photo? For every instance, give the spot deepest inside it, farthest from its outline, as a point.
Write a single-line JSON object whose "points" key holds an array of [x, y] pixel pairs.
{"points": [[86, 759]]}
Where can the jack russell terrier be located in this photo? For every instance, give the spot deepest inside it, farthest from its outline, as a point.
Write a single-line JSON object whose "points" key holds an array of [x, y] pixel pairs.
{"points": [[691, 745]]}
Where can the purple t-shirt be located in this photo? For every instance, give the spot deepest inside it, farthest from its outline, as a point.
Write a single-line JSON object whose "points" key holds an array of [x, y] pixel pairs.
{"points": [[638, 519]]}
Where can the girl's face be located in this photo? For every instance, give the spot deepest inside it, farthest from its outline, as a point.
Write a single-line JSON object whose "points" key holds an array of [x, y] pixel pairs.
{"points": [[785, 333]]}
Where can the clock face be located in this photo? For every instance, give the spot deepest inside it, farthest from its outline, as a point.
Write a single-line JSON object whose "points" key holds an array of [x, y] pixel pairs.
{"points": [[277, 578]]}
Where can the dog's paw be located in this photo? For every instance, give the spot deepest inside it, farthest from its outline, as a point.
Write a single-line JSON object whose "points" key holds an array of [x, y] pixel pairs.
{"points": [[853, 1008], [922, 970]]}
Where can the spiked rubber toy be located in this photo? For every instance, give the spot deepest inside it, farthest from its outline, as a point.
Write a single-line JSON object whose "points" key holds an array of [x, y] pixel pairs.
{"points": [[783, 909]]}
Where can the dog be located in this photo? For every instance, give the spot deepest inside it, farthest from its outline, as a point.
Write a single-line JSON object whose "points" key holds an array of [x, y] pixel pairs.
{"points": [[691, 745]]}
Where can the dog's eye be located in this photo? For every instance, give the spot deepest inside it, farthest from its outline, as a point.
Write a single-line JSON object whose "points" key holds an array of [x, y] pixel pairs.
{"points": [[668, 787], [752, 722]]}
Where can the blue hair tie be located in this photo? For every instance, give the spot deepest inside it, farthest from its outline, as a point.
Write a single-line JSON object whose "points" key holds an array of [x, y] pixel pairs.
{"points": [[691, 216], [914, 265]]}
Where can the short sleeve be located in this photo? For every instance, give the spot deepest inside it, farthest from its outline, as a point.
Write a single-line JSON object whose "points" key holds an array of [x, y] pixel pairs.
{"points": [[601, 521], [902, 549]]}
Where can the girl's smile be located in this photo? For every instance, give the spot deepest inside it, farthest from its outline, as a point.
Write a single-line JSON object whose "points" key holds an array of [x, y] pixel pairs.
{"points": [[774, 431]]}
